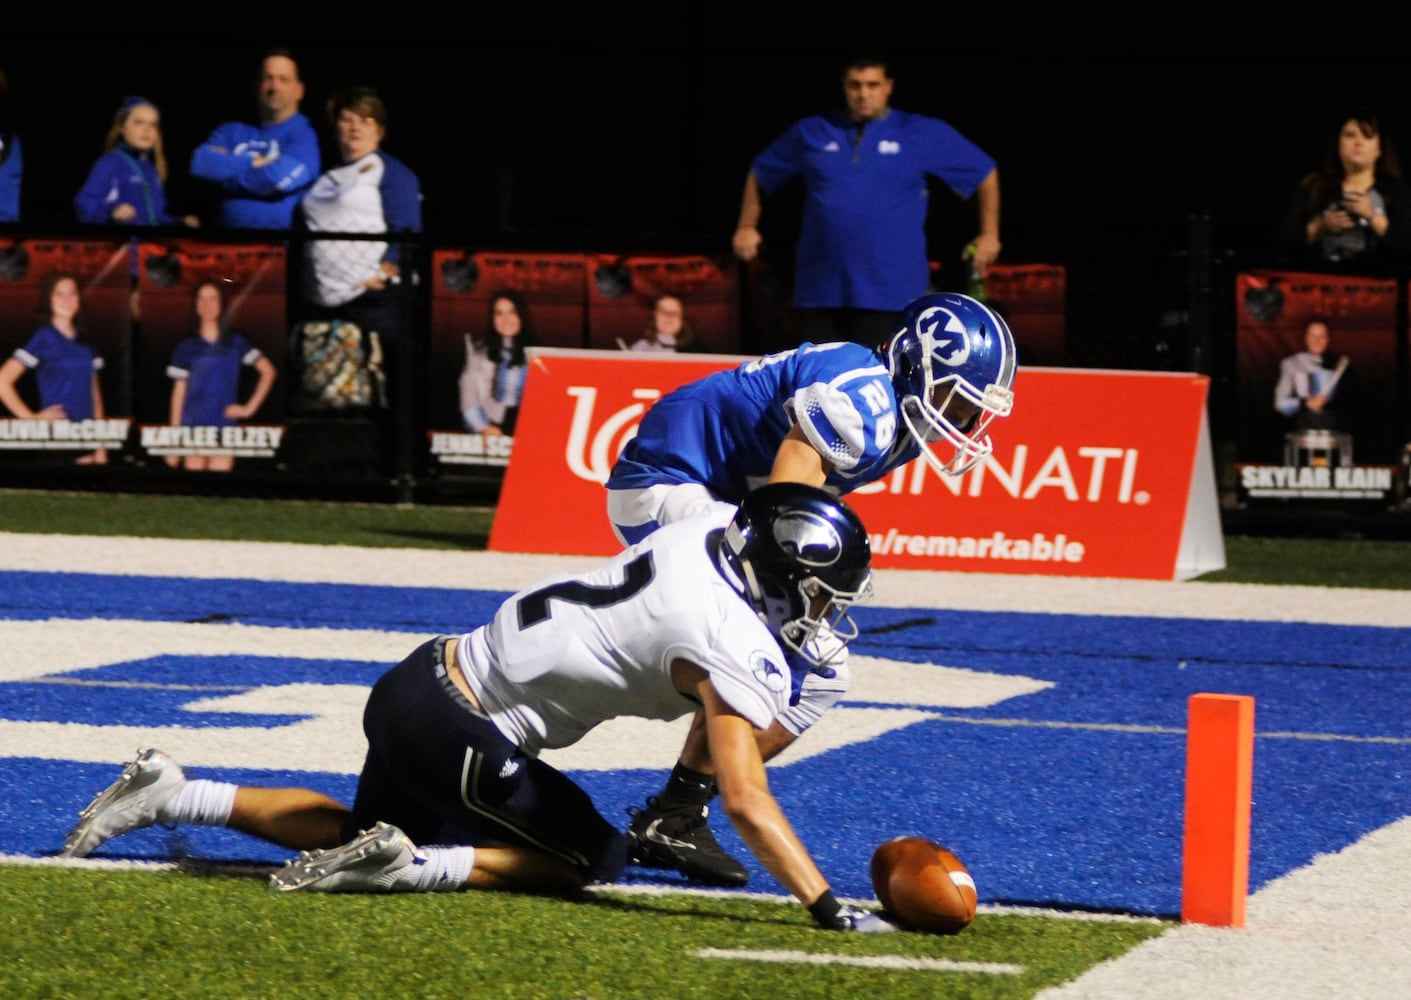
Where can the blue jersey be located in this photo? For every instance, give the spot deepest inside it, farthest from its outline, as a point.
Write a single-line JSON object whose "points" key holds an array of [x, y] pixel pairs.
{"points": [[722, 431], [263, 197], [212, 375], [64, 369], [862, 238]]}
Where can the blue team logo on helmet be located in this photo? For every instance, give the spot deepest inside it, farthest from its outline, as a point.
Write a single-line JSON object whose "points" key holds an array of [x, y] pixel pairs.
{"points": [[948, 334], [952, 365]]}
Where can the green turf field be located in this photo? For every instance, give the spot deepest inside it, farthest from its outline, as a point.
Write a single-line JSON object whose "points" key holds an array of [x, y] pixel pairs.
{"points": [[75, 933]]}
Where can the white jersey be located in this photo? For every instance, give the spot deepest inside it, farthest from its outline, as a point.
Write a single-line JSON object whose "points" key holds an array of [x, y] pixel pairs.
{"points": [[346, 199], [578, 649]]}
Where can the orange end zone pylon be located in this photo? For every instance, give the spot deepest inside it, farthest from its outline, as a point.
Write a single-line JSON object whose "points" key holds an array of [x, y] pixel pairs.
{"points": [[1219, 780]]}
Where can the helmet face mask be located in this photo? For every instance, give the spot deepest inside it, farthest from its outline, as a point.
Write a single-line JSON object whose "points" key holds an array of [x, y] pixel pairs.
{"points": [[821, 632], [952, 364], [805, 559]]}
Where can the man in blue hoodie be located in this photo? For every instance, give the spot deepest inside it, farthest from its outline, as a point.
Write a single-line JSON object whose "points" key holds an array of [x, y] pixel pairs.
{"points": [[262, 170]]}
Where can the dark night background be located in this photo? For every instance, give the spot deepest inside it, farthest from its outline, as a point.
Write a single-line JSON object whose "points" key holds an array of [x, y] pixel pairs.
{"points": [[640, 138]]}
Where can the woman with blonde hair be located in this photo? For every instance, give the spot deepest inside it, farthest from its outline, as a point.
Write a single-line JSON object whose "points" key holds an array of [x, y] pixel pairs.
{"points": [[127, 183]]}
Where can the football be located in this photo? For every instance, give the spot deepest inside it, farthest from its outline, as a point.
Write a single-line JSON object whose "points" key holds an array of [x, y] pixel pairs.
{"points": [[923, 885]]}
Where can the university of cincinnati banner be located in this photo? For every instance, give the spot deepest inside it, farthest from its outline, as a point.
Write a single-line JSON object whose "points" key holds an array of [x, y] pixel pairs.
{"points": [[1070, 490]]}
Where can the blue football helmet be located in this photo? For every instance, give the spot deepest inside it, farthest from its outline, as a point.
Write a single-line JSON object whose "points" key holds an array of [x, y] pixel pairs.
{"points": [[804, 559], [952, 366]]}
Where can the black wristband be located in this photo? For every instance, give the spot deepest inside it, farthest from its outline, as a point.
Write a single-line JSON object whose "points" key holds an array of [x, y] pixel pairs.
{"points": [[825, 909]]}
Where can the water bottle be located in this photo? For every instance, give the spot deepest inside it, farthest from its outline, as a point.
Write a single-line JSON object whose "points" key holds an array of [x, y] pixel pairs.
{"points": [[975, 284]]}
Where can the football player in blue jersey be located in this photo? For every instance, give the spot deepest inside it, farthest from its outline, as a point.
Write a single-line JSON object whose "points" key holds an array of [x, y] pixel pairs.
{"points": [[453, 793], [836, 416]]}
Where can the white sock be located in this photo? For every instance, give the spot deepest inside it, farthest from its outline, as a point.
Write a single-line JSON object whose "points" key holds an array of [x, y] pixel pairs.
{"points": [[445, 869], [200, 801]]}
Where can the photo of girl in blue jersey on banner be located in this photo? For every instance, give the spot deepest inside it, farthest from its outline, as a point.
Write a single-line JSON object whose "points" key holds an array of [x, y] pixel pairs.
{"points": [[64, 352], [212, 334]]}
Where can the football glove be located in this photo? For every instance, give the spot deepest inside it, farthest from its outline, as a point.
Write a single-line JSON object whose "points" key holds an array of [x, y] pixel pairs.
{"points": [[860, 921]]}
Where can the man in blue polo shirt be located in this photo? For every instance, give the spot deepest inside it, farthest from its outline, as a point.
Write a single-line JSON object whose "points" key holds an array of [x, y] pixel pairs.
{"points": [[861, 254]]}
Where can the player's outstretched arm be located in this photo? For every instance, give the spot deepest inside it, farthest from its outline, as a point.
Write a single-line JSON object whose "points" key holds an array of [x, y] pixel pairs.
{"points": [[745, 796]]}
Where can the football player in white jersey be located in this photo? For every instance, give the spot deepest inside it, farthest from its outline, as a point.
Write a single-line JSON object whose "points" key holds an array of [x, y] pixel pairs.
{"points": [[837, 416], [721, 613]]}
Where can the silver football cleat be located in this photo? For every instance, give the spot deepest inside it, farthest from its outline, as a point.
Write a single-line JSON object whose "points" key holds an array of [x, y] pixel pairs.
{"points": [[130, 803], [367, 863]]}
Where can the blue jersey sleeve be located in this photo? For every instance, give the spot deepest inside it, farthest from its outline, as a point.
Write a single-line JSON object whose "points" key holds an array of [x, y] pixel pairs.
{"points": [[96, 198], [401, 201], [952, 157], [216, 159], [844, 403], [781, 161], [401, 197], [299, 162]]}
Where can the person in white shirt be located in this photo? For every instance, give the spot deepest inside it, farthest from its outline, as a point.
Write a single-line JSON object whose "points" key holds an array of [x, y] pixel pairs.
{"points": [[1309, 379]]}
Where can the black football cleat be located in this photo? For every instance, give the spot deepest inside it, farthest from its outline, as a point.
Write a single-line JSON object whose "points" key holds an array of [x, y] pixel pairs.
{"points": [[681, 840]]}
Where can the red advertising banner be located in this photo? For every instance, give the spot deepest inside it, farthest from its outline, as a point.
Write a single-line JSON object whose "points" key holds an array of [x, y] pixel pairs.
{"points": [[1096, 473]]}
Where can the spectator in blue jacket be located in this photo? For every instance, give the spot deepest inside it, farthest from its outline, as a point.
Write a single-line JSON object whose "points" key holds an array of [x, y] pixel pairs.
{"points": [[263, 169], [127, 184], [11, 162]]}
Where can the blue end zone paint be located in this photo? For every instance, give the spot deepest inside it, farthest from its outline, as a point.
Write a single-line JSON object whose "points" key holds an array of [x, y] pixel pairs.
{"points": [[30, 596], [153, 705], [1045, 805]]}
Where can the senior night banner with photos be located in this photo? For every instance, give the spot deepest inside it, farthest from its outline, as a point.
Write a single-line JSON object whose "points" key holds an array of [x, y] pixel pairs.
{"points": [[1352, 457], [1095, 473]]}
